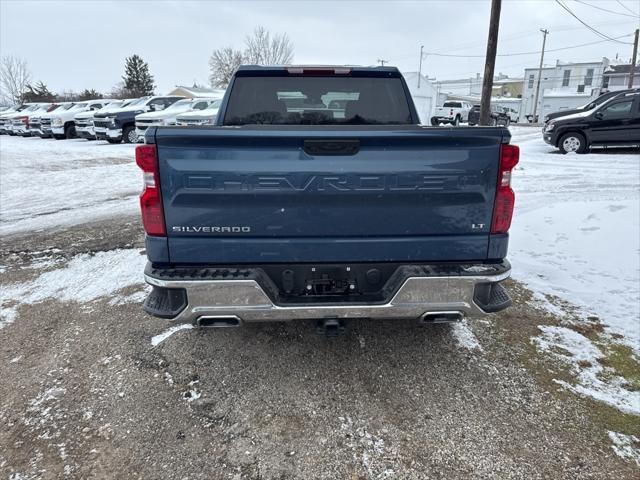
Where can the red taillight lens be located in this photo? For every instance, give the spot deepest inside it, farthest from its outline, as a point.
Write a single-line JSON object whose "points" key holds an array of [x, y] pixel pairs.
{"points": [[505, 198], [151, 199]]}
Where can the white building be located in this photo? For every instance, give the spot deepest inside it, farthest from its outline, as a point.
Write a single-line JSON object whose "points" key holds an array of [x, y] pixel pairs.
{"points": [[424, 96], [562, 86], [196, 92], [616, 77]]}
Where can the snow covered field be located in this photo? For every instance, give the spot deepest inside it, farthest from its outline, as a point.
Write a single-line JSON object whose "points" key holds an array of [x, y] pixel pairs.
{"points": [[45, 183]]}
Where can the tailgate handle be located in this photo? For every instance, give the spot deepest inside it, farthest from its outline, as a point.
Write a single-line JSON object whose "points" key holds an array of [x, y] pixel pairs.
{"points": [[331, 147]]}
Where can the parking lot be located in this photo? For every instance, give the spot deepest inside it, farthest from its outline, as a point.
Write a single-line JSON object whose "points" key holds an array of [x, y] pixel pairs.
{"points": [[95, 388]]}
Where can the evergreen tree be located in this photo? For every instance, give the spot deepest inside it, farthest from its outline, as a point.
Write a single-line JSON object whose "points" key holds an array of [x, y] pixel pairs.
{"points": [[138, 82]]}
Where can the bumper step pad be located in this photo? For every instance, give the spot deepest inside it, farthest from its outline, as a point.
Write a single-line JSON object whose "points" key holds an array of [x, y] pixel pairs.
{"points": [[165, 302]]}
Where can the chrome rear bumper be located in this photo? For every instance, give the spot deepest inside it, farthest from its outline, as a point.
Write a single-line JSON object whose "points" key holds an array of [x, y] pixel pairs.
{"points": [[416, 297]]}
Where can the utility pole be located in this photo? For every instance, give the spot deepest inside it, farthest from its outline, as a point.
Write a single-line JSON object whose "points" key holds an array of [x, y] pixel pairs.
{"points": [[490, 62], [382, 62], [545, 32], [420, 67], [633, 60]]}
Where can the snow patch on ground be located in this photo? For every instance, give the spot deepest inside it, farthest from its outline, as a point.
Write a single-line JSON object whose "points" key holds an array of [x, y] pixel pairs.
{"points": [[626, 446], [465, 336], [576, 231], [45, 183], [158, 339], [83, 279], [578, 351]]}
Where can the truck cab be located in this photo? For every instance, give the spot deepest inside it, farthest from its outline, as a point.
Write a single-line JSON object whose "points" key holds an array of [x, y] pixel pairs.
{"points": [[120, 125]]}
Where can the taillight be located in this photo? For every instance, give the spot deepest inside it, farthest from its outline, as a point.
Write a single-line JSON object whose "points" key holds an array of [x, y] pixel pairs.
{"points": [[505, 198], [151, 198]]}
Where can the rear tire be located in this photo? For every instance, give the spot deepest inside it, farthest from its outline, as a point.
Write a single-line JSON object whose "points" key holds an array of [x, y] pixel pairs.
{"points": [[456, 122], [129, 135], [572, 142], [434, 122], [59, 137]]}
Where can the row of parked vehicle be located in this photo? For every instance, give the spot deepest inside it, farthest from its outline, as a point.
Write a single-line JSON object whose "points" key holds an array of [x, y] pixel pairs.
{"points": [[107, 119], [455, 112]]}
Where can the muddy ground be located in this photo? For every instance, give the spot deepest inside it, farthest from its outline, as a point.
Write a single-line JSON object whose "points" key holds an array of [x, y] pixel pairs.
{"points": [[84, 394]]}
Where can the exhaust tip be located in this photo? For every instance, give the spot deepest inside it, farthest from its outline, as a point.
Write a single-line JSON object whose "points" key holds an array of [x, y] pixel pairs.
{"points": [[442, 317], [227, 321]]}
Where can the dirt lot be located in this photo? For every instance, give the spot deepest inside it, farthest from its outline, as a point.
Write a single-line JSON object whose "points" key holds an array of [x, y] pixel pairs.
{"points": [[85, 394]]}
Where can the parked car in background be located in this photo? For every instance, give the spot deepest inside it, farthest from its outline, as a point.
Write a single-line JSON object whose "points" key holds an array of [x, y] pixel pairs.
{"points": [[289, 213], [62, 121], [514, 115], [614, 123], [605, 97], [29, 124], [201, 117], [453, 112], [98, 121], [169, 114], [498, 116], [46, 130], [83, 121], [5, 114], [120, 124], [8, 118]]}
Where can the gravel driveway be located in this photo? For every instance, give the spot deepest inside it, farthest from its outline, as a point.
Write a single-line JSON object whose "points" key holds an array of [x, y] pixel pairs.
{"points": [[86, 394]]}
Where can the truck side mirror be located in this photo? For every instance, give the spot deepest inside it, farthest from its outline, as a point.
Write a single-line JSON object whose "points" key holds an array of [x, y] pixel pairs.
{"points": [[599, 115]]}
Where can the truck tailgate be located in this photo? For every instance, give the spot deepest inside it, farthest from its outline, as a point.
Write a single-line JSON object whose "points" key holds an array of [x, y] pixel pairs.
{"points": [[262, 194]]}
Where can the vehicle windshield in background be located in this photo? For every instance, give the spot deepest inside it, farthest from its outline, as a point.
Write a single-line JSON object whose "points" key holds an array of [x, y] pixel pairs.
{"points": [[139, 101], [180, 104], [67, 106], [452, 104], [308, 100], [214, 105]]}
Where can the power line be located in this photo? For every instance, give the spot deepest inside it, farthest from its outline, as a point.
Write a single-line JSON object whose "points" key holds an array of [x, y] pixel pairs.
{"points": [[464, 46], [536, 52], [587, 25], [607, 10], [626, 8]]}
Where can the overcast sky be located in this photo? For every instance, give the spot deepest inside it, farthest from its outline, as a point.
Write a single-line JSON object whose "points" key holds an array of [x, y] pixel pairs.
{"points": [[83, 44]]}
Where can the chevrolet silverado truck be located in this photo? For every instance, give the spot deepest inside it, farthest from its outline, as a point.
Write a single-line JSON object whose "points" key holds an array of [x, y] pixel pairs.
{"points": [[453, 112], [279, 213]]}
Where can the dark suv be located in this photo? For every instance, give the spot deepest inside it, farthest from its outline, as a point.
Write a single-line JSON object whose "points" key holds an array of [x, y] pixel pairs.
{"points": [[605, 97], [498, 116], [614, 123]]}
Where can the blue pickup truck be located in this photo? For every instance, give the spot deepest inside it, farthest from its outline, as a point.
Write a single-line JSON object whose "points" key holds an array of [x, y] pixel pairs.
{"points": [[319, 196]]}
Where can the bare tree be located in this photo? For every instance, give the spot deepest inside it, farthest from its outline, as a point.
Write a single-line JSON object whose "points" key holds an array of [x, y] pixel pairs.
{"points": [[263, 49], [260, 49], [14, 79], [118, 91], [223, 63]]}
